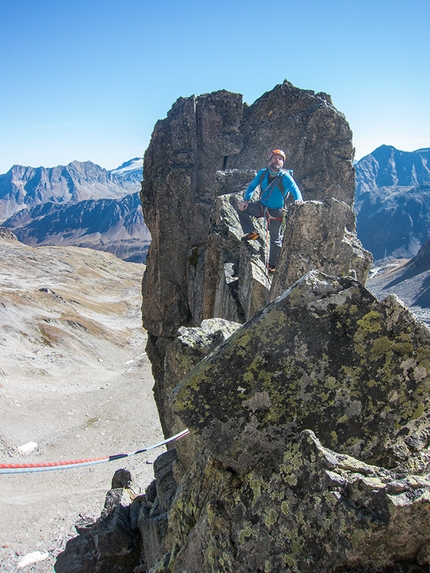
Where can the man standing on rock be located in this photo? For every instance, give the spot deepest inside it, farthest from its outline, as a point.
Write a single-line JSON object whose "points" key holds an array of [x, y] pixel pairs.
{"points": [[275, 184]]}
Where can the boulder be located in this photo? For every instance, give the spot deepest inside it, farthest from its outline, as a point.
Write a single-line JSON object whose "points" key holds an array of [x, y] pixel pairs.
{"points": [[325, 356], [320, 511]]}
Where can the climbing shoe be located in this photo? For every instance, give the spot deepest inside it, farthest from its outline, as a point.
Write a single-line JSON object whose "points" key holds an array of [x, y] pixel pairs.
{"points": [[250, 236], [272, 269]]}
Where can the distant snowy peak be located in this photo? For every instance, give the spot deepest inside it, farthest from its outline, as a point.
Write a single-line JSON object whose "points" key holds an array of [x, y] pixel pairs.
{"points": [[134, 164], [130, 170]]}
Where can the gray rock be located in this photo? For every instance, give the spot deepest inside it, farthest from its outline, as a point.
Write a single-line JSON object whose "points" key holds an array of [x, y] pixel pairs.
{"points": [[190, 347], [152, 514], [325, 356], [320, 235], [122, 478], [200, 160], [165, 481], [109, 544], [320, 511]]}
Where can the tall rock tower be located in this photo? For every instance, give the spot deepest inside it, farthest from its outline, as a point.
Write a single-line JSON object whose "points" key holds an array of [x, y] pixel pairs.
{"points": [[200, 160]]}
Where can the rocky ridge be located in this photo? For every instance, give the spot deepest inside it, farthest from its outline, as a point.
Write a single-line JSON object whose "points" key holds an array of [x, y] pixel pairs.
{"points": [[306, 397], [234, 401], [208, 272]]}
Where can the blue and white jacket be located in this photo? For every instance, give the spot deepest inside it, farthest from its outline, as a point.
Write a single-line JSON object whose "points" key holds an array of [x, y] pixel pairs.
{"points": [[273, 197]]}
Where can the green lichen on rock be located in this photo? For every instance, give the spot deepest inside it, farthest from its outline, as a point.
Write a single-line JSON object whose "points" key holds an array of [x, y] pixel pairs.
{"points": [[326, 356], [325, 367], [335, 513]]}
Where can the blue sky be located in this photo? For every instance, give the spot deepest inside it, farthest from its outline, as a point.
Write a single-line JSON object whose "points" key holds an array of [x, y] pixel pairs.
{"points": [[88, 79]]}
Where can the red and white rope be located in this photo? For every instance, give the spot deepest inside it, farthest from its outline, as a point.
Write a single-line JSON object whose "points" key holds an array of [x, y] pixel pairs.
{"points": [[49, 466]]}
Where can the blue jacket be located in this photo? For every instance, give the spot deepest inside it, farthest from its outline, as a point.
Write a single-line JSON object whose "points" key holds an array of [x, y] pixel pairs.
{"points": [[273, 198]]}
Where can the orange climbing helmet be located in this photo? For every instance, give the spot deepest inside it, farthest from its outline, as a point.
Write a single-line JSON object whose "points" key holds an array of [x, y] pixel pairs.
{"points": [[278, 152]]}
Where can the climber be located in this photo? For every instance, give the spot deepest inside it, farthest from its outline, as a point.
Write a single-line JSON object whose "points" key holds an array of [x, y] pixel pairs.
{"points": [[275, 184]]}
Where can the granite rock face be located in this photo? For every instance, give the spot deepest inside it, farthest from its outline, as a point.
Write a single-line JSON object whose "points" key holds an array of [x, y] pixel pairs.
{"points": [[313, 422], [199, 162], [306, 397], [325, 356]]}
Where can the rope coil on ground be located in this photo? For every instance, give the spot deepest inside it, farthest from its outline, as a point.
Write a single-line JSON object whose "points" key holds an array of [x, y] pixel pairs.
{"points": [[49, 466]]}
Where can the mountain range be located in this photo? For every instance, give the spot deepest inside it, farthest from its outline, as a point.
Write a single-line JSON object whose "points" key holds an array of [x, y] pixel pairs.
{"points": [[80, 204], [392, 202], [84, 205]]}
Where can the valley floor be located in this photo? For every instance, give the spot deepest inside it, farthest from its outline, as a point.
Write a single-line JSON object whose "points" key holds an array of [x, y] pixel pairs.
{"points": [[75, 380]]}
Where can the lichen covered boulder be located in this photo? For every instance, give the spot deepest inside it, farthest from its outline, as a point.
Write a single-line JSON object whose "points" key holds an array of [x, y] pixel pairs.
{"points": [[319, 512], [325, 356]]}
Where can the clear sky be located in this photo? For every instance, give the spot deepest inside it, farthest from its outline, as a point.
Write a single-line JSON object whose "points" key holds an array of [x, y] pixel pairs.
{"points": [[88, 79]]}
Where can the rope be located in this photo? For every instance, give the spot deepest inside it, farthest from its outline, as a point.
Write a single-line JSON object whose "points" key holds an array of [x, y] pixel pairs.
{"points": [[49, 466]]}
